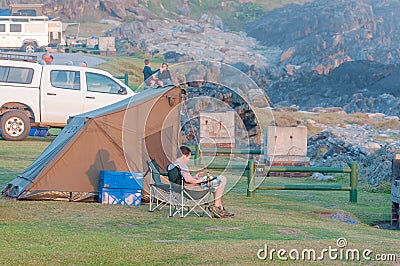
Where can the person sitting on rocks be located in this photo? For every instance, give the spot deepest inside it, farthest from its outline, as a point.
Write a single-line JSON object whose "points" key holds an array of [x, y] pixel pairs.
{"points": [[148, 73], [164, 74]]}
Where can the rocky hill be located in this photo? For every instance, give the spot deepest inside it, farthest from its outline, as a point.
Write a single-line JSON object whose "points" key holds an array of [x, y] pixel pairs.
{"points": [[332, 53]]}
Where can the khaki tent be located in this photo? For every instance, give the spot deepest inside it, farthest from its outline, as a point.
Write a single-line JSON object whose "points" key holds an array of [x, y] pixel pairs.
{"points": [[119, 137]]}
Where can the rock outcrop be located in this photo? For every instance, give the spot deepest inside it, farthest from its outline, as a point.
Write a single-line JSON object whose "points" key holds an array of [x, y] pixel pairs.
{"points": [[359, 86], [191, 40], [372, 149], [332, 53], [324, 33]]}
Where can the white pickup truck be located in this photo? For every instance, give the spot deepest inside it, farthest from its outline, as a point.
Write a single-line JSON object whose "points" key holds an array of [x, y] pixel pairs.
{"points": [[34, 95]]}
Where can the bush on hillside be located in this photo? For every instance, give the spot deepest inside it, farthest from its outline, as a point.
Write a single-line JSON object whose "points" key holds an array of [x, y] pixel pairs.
{"points": [[249, 11]]}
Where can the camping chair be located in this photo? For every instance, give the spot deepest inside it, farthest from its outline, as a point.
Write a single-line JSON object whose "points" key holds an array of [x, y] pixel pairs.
{"points": [[185, 200], [159, 191]]}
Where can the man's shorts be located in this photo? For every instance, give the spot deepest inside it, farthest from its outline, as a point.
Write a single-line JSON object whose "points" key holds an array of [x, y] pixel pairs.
{"points": [[214, 182]]}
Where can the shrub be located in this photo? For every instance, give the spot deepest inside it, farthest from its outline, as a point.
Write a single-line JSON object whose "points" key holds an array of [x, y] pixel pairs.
{"points": [[382, 187], [249, 11]]}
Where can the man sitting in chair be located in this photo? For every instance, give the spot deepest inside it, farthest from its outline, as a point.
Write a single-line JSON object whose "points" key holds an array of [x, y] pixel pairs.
{"points": [[217, 183]]}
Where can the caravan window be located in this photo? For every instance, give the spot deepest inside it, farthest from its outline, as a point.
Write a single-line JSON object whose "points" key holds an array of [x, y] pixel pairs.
{"points": [[99, 83], [25, 12], [2, 27], [16, 75], [15, 27]]}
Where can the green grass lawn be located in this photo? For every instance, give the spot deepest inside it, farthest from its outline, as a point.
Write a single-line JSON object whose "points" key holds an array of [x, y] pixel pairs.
{"points": [[62, 233], [15, 156]]}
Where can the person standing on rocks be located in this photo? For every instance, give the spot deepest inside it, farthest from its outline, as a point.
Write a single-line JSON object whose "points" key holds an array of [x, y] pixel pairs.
{"points": [[148, 73]]}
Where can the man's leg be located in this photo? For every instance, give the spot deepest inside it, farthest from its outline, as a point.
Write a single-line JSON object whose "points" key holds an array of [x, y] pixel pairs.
{"points": [[219, 192], [159, 82], [218, 210]]}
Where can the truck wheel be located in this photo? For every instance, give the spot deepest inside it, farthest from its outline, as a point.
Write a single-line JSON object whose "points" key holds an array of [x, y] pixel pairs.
{"points": [[15, 125], [29, 47]]}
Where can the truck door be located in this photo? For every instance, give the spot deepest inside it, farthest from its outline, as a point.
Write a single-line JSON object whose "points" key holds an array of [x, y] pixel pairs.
{"points": [[63, 96], [102, 91]]}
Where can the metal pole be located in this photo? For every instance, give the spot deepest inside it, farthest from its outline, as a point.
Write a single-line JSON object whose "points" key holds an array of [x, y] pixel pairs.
{"points": [[229, 166], [309, 169], [126, 79], [304, 187], [232, 151], [353, 182], [197, 154], [250, 178]]}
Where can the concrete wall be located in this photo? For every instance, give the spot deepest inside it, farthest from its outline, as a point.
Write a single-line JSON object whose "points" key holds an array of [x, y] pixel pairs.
{"points": [[286, 146], [217, 127], [285, 141]]}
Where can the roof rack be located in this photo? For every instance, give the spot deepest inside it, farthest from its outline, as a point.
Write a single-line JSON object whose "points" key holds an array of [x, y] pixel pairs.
{"points": [[18, 57]]}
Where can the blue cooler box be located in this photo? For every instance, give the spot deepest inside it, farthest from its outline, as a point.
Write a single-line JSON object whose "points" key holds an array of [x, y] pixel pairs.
{"points": [[120, 196], [128, 180], [38, 132]]}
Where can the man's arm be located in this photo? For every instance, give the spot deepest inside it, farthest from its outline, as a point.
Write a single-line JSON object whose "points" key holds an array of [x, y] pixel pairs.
{"points": [[147, 72], [154, 71], [192, 179]]}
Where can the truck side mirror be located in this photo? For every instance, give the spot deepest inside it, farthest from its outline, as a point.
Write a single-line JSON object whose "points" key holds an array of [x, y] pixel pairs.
{"points": [[122, 91]]}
